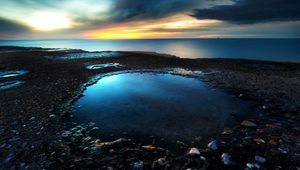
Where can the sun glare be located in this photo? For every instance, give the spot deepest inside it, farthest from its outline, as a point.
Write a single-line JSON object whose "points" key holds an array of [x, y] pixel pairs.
{"points": [[49, 21]]}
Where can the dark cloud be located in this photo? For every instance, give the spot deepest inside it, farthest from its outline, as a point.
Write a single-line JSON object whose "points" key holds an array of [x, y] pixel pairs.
{"points": [[9, 26], [253, 11], [125, 10]]}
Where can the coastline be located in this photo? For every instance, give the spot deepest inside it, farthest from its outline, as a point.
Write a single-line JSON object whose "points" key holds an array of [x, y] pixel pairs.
{"points": [[30, 133]]}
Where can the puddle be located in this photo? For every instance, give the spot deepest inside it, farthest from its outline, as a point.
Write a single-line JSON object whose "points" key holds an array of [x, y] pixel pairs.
{"points": [[12, 73], [99, 66], [10, 84], [83, 55], [166, 106]]}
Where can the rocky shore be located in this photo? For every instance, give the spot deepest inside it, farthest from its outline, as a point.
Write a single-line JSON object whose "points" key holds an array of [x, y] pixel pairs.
{"points": [[33, 134]]}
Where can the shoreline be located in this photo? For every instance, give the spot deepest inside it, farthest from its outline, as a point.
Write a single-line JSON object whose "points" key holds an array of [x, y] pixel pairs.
{"points": [[50, 84]]}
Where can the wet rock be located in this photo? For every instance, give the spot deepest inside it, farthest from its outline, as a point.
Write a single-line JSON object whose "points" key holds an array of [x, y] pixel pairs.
{"points": [[283, 150], [94, 131], [193, 152], [182, 144], [226, 159], [137, 165], [149, 147], [52, 116], [260, 159], [117, 143], [252, 166], [8, 158], [213, 145], [248, 123], [259, 141], [66, 134]]}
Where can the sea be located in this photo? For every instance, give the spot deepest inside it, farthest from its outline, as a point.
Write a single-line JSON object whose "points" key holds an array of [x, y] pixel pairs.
{"points": [[258, 49]]}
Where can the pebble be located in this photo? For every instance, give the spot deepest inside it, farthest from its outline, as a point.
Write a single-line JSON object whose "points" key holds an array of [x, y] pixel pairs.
{"points": [[193, 152], [252, 166], [149, 147], [248, 123], [283, 150], [52, 116], [32, 118], [260, 159], [137, 165], [226, 159], [213, 145]]}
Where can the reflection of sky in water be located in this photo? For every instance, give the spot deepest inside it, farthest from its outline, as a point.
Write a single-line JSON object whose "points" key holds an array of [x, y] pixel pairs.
{"points": [[163, 105], [267, 49], [12, 73], [10, 84]]}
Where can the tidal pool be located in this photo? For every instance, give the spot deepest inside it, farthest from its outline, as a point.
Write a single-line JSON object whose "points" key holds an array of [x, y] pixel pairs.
{"points": [[10, 84], [99, 66], [12, 73], [82, 55], [165, 106]]}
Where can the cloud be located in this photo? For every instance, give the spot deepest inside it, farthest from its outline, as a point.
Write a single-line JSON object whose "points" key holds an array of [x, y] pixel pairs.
{"points": [[10, 26], [125, 10], [252, 11]]}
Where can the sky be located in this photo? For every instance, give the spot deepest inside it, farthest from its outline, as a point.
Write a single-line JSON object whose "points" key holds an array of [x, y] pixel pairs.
{"points": [[147, 19]]}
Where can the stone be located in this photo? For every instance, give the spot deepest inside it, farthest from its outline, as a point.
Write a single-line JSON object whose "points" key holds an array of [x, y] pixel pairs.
{"points": [[139, 165], [213, 145], [248, 123], [226, 159], [260, 159], [252, 166], [52, 116], [193, 152], [259, 141], [149, 147]]}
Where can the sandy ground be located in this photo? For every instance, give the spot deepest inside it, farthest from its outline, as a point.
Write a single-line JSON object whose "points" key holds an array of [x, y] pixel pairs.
{"points": [[33, 136]]}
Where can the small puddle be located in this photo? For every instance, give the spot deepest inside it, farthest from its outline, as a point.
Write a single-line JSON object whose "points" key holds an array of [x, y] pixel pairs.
{"points": [[10, 84], [83, 55], [12, 73], [99, 66], [167, 106]]}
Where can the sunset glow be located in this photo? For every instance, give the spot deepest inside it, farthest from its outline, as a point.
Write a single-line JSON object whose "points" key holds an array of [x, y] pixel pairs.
{"points": [[48, 21]]}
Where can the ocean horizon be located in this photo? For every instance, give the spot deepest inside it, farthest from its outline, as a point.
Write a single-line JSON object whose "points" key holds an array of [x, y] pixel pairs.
{"points": [[251, 48]]}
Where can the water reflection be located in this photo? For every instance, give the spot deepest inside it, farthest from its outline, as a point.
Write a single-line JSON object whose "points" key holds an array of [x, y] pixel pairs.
{"points": [[164, 105], [12, 73], [10, 84], [99, 66]]}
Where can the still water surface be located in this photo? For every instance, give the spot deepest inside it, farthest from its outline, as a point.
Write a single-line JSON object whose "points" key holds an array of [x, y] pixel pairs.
{"points": [[166, 106]]}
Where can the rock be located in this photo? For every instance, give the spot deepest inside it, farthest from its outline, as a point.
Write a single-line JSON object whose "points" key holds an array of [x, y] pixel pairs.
{"points": [[259, 140], [226, 159], [180, 143], [283, 150], [227, 131], [52, 116], [213, 145], [251, 166], [248, 123], [137, 165], [260, 159], [149, 147], [117, 143], [161, 162], [264, 107], [8, 158], [193, 152], [94, 131], [66, 134]]}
